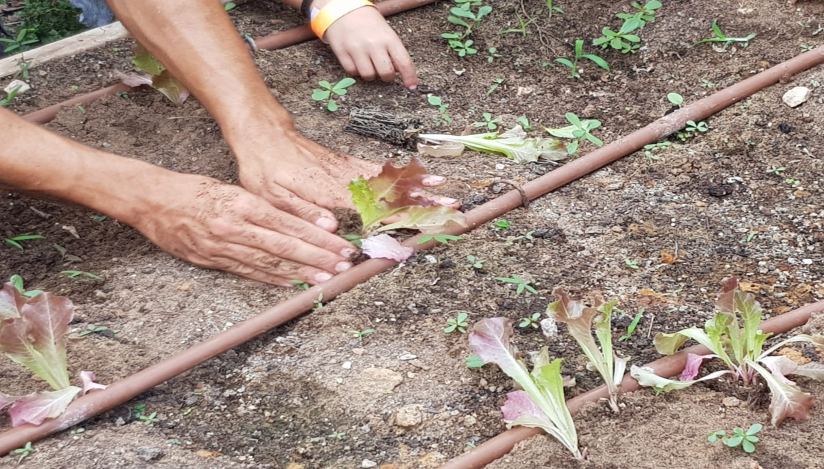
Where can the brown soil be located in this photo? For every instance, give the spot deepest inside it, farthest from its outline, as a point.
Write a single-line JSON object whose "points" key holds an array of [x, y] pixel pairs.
{"points": [[278, 399]]}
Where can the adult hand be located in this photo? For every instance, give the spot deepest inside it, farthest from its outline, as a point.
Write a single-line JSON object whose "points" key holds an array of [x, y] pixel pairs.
{"points": [[366, 46], [222, 226]]}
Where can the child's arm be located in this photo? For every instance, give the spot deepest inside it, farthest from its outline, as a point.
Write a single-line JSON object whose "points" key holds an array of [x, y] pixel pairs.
{"points": [[366, 45]]}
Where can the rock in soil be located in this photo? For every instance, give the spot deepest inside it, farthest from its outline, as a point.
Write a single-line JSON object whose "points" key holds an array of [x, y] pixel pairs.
{"points": [[408, 416], [149, 454], [796, 96]]}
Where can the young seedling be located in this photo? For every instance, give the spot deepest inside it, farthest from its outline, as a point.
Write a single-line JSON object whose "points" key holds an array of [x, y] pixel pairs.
{"points": [[792, 182], [632, 326], [496, 83], [80, 275], [721, 37], [522, 29], [18, 43], [631, 264], [300, 284], [23, 69], [746, 439], [621, 40], [229, 6], [501, 224], [675, 99], [749, 238], [457, 324], [533, 321], [93, 329], [646, 13], [318, 303], [464, 16], [139, 413], [441, 238], [707, 84], [806, 48], [474, 262], [691, 129], [17, 281], [493, 54], [17, 240], [522, 284], [489, 122], [474, 361], [649, 150], [524, 121], [329, 91], [438, 102], [550, 8], [359, 334], [337, 435], [579, 54], [9, 99], [23, 452], [578, 130]]}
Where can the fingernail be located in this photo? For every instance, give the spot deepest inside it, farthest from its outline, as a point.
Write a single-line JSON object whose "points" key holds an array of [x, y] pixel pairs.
{"points": [[413, 87], [326, 223], [448, 200], [322, 277], [342, 266], [434, 180], [347, 253]]}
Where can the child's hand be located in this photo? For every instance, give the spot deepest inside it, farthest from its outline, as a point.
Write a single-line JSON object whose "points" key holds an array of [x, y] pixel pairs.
{"points": [[367, 46]]}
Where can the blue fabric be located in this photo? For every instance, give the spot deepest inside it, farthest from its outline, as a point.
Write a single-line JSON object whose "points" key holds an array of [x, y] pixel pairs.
{"points": [[94, 13]]}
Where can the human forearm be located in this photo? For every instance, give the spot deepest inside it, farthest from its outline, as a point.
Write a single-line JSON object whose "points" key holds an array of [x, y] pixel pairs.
{"points": [[197, 42], [43, 164]]}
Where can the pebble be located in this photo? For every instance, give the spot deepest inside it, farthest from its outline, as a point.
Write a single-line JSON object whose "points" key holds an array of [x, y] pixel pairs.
{"points": [[149, 454], [407, 356], [408, 416], [367, 463], [796, 96], [731, 402], [346, 365], [358, 351], [432, 259], [500, 167], [807, 261], [19, 85]]}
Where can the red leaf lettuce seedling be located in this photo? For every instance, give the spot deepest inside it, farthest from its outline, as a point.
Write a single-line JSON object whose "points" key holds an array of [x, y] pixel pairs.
{"points": [[741, 350], [579, 318], [540, 403]]}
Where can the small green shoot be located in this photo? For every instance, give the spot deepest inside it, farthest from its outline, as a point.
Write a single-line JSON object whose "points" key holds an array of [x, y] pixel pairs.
{"points": [[438, 102], [474, 262], [300, 284], [646, 13], [749, 238], [441, 238], [23, 69], [23, 452], [474, 361], [524, 121], [691, 129], [632, 326], [17, 240], [17, 281], [94, 329], [360, 334], [550, 8], [806, 48], [489, 122], [522, 26], [328, 91], [578, 130], [522, 284], [337, 435], [457, 323], [579, 54], [229, 6], [707, 84], [777, 170], [80, 275], [493, 54], [721, 37], [533, 321], [746, 439], [495, 84], [621, 40], [675, 99], [792, 182], [631, 264], [318, 303], [9, 99], [651, 149], [501, 224], [139, 412], [186, 412], [464, 16]]}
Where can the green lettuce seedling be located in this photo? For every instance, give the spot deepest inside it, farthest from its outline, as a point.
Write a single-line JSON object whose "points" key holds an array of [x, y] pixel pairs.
{"points": [[540, 403], [740, 348], [579, 319]]}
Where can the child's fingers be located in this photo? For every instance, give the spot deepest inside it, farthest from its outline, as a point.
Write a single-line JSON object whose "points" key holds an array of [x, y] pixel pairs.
{"points": [[403, 65]]}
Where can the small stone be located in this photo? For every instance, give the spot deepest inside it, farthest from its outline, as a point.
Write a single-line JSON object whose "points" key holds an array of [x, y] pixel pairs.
{"points": [[149, 454], [119, 422], [19, 85], [367, 463], [432, 259], [500, 167], [407, 356], [408, 416], [483, 383], [358, 351], [347, 365], [294, 465], [731, 402], [470, 421], [378, 380], [807, 261], [795, 97], [205, 453]]}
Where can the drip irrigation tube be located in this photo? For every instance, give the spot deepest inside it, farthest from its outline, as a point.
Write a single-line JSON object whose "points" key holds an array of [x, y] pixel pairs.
{"points": [[121, 391], [273, 41]]}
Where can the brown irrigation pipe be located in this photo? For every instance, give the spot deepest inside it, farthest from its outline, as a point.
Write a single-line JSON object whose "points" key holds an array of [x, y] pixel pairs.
{"points": [[503, 443], [121, 391], [273, 41]]}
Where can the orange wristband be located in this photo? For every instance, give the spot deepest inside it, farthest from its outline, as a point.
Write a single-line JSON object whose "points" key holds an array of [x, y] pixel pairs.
{"points": [[335, 10]]}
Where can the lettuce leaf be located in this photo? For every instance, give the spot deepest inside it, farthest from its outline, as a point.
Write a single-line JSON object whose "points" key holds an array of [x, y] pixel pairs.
{"points": [[159, 79], [541, 403], [693, 365], [513, 144], [36, 407], [647, 377], [579, 319], [11, 301], [785, 400], [37, 339], [87, 377], [395, 191]]}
